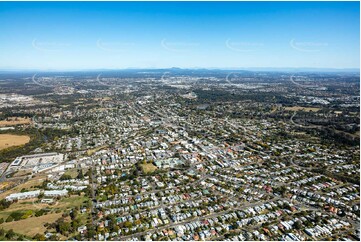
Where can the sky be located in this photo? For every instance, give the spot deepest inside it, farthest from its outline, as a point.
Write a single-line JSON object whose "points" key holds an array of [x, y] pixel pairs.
{"points": [[118, 35]]}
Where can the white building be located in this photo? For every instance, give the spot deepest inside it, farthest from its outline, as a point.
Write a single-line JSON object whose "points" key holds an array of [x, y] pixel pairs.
{"points": [[55, 193], [23, 195]]}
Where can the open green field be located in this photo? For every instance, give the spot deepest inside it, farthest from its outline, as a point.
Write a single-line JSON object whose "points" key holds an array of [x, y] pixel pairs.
{"points": [[72, 172]]}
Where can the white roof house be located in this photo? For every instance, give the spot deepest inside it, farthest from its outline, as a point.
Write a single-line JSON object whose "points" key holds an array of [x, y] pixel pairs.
{"points": [[23, 195], [55, 193]]}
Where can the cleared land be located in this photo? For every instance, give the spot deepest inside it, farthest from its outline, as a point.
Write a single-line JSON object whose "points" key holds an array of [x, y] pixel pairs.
{"points": [[92, 151], [14, 121], [72, 172], [33, 225], [38, 180], [148, 168], [9, 140], [305, 109], [34, 204]]}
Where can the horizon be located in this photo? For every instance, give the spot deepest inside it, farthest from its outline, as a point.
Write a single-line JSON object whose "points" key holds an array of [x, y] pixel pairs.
{"points": [[65, 36], [251, 69]]}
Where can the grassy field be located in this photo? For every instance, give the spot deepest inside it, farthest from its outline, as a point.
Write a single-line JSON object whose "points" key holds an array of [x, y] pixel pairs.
{"points": [[33, 204], [72, 172], [92, 151], [71, 202], [305, 109], [31, 226], [148, 168], [38, 180], [9, 140], [14, 121]]}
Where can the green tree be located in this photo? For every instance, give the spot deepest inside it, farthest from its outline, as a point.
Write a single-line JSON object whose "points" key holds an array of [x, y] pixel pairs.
{"points": [[74, 214], [39, 237], [63, 227], [10, 234], [80, 174], [9, 219], [127, 224], [65, 177], [298, 225]]}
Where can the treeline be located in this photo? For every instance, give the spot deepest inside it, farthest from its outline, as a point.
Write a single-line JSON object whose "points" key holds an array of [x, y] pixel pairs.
{"points": [[67, 225], [4, 204], [37, 139], [5, 113], [6, 235], [224, 96], [9, 154], [339, 137], [343, 178]]}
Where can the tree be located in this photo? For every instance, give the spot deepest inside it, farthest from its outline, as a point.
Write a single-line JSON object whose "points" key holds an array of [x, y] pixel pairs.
{"points": [[40, 213], [27, 214], [127, 224], [4, 204], [39, 237], [53, 237], [80, 174], [65, 177], [75, 224], [298, 225], [91, 232], [10, 234], [41, 196], [63, 227], [9, 219], [74, 214]]}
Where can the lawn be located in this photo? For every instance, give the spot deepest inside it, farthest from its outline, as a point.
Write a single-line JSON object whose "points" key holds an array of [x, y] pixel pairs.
{"points": [[72, 172], [72, 201]]}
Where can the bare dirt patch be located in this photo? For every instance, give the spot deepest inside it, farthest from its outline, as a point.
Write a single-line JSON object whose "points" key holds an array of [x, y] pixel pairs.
{"points": [[92, 151], [14, 121], [305, 109], [38, 180], [33, 225], [9, 140], [148, 168]]}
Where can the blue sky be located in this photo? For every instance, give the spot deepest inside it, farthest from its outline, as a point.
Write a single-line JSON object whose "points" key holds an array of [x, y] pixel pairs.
{"points": [[91, 35]]}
